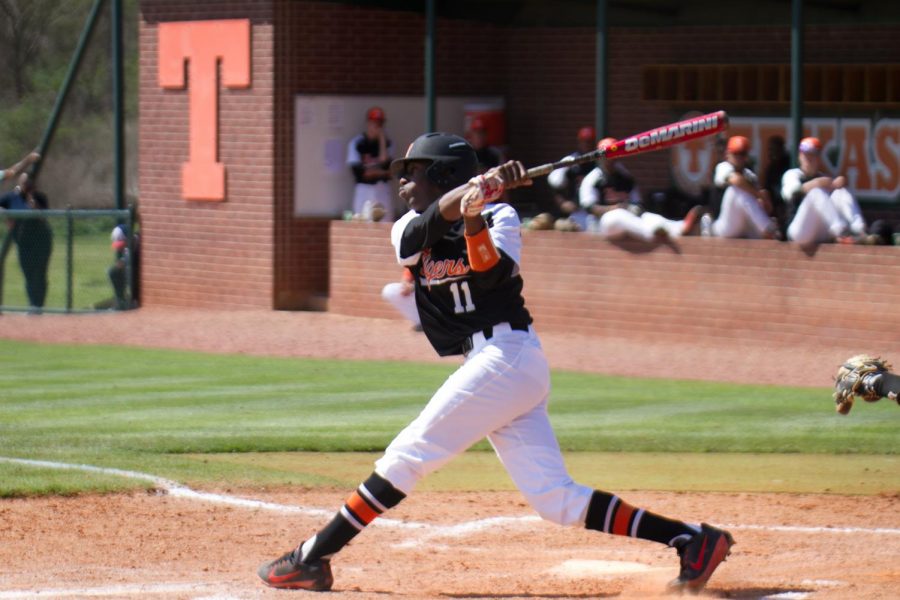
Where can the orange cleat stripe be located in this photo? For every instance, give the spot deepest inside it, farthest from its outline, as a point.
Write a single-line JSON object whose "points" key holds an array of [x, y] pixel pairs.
{"points": [[361, 508], [623, 517]]}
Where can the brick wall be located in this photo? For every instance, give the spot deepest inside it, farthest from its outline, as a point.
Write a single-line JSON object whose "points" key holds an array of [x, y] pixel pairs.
{"points": [[551, 78], [699, 288], [327, 48], [207, 253], [251, 251]]}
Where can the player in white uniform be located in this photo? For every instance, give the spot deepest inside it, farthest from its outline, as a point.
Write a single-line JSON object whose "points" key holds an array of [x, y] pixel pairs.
{"points": [[611, 198], [824, 210], [742, 214], [401, 295], [369, 158], [464, 253]]}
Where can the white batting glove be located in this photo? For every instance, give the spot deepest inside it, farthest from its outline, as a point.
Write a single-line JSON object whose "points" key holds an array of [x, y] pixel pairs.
{"points": [[483, 189]]}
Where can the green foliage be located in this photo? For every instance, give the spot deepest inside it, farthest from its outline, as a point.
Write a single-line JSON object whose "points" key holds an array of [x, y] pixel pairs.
{"points": [[37, 41]]}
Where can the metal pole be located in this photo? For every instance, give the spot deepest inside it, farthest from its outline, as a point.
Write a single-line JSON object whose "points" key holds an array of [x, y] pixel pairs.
{"points": [[67, 85], [796, 75], [600, 66], [70, 247], [129, 261], [429, 65], [4, 250], [118, 89]]}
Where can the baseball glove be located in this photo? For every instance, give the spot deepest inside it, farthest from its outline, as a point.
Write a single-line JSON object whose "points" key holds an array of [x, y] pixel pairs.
{"points": [[849, 382]]}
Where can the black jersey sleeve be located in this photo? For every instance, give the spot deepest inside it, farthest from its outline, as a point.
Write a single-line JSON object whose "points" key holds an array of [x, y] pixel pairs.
{"points": [[423, 231]]}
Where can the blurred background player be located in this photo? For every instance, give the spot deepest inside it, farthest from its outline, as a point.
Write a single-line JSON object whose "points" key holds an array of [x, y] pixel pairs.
{"points": [[127, 260], [400, 295], [745, 208], [610, 195], [369, 158], [488, 156], [566, 181], [823, 209], [33, 238]]}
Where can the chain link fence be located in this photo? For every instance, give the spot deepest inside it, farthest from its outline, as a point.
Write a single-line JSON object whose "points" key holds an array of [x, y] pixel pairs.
{"points": [[72, 260]]}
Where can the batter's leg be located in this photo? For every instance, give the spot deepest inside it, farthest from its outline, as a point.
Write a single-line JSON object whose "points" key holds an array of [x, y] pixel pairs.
{"points": [[528, 449], [506, 378]]}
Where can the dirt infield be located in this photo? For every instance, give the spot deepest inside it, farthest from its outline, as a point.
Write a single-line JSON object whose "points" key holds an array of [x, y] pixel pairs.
{"points": [[435, 545]]}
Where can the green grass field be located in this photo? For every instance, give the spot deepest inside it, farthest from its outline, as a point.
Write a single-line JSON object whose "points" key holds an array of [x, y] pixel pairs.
{"points": [[91, 257], [237, 420]]}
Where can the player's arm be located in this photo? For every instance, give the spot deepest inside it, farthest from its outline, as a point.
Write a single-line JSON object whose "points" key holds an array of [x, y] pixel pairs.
{"points": [[792, 187], [482, 250], [588, 194], [738, 180], [823, 182], [19, 166]]}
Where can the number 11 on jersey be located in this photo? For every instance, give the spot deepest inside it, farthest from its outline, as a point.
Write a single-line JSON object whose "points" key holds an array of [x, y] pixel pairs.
{"points": [[458, 306]]}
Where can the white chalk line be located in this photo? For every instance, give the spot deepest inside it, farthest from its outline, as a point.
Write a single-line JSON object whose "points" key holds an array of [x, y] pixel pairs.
{"points": [[112, 590], [428, 530]]}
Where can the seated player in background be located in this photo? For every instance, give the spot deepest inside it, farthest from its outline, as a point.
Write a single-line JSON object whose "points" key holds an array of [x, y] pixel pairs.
{"points": [[566, 181], [745, 208], [611, 198], [369, 157], [823, 208]]}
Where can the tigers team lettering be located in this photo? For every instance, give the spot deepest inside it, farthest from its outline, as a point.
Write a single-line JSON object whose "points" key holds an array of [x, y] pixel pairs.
{"points": [[435, 270]]}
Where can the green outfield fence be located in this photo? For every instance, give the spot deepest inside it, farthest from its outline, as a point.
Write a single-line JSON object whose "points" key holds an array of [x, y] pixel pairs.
{"points": [[81, 255]]}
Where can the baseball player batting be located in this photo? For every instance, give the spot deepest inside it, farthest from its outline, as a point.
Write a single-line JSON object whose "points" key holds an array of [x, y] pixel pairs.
{"points": [[464, 252]]}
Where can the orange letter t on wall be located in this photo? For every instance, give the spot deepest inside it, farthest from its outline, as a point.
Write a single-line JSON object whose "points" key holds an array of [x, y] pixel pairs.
{"points": [[203, 44]]}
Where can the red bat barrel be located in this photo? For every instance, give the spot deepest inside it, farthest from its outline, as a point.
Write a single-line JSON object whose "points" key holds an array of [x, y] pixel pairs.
{"points": [[668, 135]]}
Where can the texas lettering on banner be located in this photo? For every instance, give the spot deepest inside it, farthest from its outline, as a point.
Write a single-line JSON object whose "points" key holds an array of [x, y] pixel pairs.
{"points": [[866, 152]]}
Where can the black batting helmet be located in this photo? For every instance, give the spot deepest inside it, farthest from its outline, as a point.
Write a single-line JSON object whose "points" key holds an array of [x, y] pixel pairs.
{"points": [[451, 160]]}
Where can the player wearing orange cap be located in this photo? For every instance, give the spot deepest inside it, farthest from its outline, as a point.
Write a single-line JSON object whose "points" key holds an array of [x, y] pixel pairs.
{"points": [[369, 157], [823, 209], [745, 207]]}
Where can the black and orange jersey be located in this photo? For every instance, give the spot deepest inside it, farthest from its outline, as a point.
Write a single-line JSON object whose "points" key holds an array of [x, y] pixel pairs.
{"points": [[453, 300]]}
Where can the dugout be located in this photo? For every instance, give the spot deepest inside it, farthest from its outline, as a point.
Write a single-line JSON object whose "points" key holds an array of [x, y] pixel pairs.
{"points": [[219, 83]]}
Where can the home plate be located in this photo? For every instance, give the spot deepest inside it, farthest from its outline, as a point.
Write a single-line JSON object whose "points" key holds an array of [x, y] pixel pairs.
{"points": [[601, 568]]}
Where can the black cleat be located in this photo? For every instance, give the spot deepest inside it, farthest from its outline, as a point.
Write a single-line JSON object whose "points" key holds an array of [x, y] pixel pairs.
{"points": [[700, 555], [285, 573]]}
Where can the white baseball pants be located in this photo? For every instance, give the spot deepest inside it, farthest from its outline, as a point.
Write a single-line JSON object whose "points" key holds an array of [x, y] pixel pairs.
{"points": [[741, 216], [822, 217], [619, 223], [500, 392]]}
